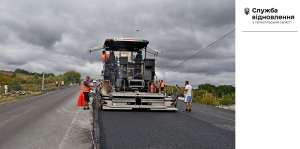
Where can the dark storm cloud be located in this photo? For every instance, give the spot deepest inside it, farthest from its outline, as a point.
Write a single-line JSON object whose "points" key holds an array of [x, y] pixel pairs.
{"points": [[16, 62], [55, 35], [40, 35], [33, 25]]}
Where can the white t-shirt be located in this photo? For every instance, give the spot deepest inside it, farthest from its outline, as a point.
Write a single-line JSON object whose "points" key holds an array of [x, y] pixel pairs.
{"points": [[189, 91]]}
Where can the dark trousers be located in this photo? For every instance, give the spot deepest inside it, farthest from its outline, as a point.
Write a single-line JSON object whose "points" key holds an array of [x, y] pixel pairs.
{"points": [[86, 96]]}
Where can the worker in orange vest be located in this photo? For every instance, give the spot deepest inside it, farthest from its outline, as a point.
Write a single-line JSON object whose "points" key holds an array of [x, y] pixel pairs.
{"points": [[155, 87], [151, 87], [104, 56], [56, 84], [86, 87], [162, 86]]}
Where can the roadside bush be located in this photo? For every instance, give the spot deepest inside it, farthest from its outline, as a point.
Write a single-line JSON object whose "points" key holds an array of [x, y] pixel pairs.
{"points": [[227, 101], [14, 85], [208, 99], [197, 99], [215, 103], [197, 92]]}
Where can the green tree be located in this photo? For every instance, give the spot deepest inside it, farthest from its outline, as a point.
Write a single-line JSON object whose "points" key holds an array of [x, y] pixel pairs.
{"points": [[226, 89], [71, 77], [49, 75], [51, 79], [36, 78], [227, 99], [13, 74], [208, 87], [14, 85], [18, 70]]}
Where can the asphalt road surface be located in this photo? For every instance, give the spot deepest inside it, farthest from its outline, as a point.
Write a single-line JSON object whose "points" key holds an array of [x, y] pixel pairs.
{"points": [[54, 121], [206, 127], [50, 121]]}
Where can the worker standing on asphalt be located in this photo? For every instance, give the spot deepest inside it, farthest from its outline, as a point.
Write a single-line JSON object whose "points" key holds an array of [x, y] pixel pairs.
{"points": [[162, 86], [86, 87], [152, 87], [62, 83], [155, 87], [56, 84], [188, 96]]}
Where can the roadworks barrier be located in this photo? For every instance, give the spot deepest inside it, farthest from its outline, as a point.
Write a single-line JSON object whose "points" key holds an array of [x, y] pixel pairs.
{"points": [[80, 101]]}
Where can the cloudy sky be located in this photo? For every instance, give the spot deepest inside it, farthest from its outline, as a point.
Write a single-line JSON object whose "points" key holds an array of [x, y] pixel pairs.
{"points": [[53, 36]]}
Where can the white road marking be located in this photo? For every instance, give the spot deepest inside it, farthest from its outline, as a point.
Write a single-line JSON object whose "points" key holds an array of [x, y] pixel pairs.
{"points": [[67, 133]]}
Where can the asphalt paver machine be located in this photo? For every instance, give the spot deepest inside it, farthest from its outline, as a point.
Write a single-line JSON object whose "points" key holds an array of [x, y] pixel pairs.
{"points": [[127, 76]]}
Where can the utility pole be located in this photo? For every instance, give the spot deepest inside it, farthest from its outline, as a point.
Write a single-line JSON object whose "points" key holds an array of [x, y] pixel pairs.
{"points": [[43, 81]]}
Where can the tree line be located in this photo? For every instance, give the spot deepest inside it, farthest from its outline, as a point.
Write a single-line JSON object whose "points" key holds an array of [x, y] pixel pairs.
{"points": [[19, 70], [25, 82]]}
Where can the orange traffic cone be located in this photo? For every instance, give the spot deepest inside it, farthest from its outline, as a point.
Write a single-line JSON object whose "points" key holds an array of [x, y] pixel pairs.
{"points": [[80, 101]]}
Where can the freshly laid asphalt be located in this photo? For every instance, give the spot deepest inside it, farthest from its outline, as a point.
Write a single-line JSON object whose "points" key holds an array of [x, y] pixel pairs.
{"points": [[204, 127]]}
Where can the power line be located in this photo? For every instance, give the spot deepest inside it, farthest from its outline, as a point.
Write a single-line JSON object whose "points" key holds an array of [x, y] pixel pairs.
{"points": [[203, 50]]}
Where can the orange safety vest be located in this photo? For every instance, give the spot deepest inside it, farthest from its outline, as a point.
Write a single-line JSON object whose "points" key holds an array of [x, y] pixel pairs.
{"points": [[162, 84], [155, 86], [152, 88], [104, 57], [85, 88]]}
